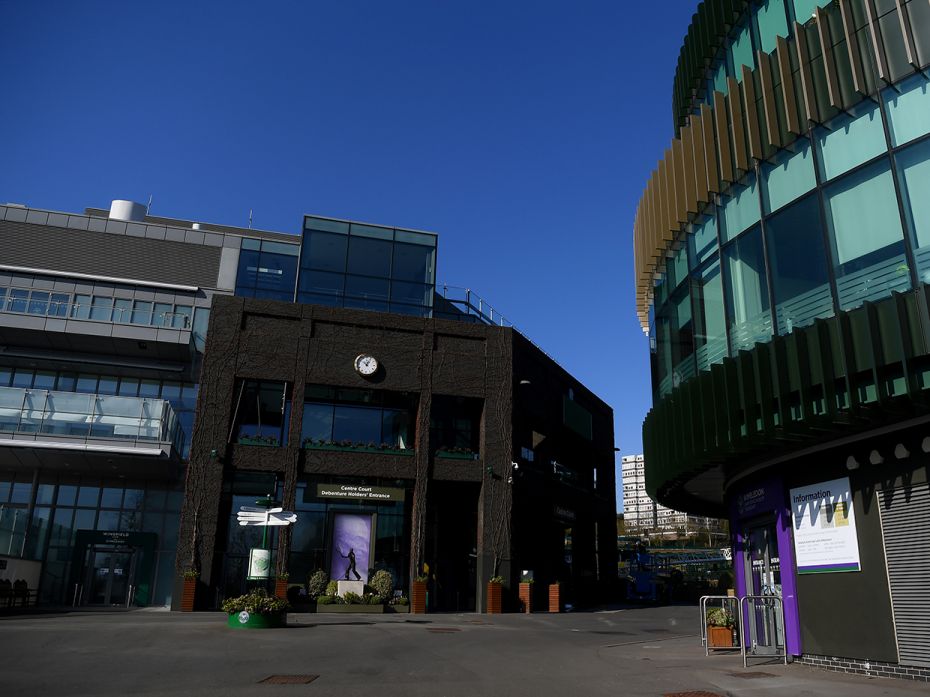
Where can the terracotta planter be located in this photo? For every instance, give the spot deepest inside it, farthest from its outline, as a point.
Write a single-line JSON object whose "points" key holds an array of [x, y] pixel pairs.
{"points": [[526, 597], [187, 596], [280, 588], [418, 598], [495, 596], [720, 636], [554, 598]]}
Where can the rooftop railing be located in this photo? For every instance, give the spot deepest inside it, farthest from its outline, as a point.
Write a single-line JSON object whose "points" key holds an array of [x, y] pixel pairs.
{"points": [[467, 302], [128, 421]]}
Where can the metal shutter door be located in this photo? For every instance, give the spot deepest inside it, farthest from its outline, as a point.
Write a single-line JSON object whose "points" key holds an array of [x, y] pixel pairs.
{"points": [[905, 517]]}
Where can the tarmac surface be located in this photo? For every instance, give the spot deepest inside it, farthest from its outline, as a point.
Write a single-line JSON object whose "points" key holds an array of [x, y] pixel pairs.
{"points": [[633, 651]]}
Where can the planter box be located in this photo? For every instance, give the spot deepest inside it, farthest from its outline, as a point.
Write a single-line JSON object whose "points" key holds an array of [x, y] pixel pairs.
{"points": [[246, 620], [256, 441], [349, 449], [526, 597], [495, 598], [418, 598], [720, 636], [456, 456], [351, 609], [555, 604], [188, 595]]}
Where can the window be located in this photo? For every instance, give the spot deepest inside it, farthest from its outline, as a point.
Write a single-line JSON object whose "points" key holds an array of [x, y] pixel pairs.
{"points": [[261, 413], [914, 172], [798, 263], [792, 177], [907, 106], [455, 423], [142, 312], [122, 310], [326, 252], [702, 244], [267, 270], [748, 311], [81, 307], [850, 141], [357, 418], [38, 302], [865, 232], [772, 22], [740, 209], [101, 308]]}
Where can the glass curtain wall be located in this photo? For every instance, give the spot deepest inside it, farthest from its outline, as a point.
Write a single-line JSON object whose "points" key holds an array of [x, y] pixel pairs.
{"points": [[350, 418], [369, 267], [267, 269]]}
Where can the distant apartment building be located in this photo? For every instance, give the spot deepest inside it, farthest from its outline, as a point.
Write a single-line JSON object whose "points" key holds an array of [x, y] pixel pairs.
{"points": [[641, 514]]}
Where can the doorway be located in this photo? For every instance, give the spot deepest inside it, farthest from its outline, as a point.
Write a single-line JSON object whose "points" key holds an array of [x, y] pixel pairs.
{"points": [[765, 617], [110, 576]]}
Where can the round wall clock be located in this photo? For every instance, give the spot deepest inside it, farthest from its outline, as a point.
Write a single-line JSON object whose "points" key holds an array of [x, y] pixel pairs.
{"points": [[366, 365]]}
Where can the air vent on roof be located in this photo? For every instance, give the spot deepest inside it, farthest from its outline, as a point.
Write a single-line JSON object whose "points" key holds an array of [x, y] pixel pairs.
{"points": [[127, 210]]}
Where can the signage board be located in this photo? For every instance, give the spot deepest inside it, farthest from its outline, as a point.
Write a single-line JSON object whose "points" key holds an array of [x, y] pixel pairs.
{"points": [[351, 546], [259, 564], [825, 537], [359, 492]]}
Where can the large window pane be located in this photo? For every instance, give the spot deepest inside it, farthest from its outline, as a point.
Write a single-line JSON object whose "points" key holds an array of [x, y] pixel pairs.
{"points": [[741, 52], [101, 308], [748, 310], [914, 171], [850, 141], [773, 22], [413, 263], [368, 288], [262, 410], [804, 9], [798, 264], [357, 425], [702, 244], [909, 109], [325, 251], [788, 179], [741, 209], [865, 231], [710, 334], [318, 422], [369, 257]]}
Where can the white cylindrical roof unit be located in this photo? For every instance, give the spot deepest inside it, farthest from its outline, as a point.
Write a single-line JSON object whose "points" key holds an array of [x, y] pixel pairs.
{"points": [[127, 210], [196, 226]]}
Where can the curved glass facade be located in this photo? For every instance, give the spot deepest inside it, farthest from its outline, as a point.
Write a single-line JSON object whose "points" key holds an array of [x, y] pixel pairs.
{"points": [[840, 218]]}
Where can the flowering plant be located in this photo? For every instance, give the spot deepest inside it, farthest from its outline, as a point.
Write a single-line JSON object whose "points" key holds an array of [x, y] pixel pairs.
{"points": [[256, 602]]}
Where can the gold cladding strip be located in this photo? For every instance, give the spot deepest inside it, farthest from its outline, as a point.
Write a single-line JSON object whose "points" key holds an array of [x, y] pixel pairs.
{"points": [[687, 148], [852, 46], [907, 31], [772, 131], [811, 111], [710, 150], [665, 198], [700, 158], [829, 62], [787, 85], [681, 196], [736, 124], [724, 155], [752, 113], [877, 46]]}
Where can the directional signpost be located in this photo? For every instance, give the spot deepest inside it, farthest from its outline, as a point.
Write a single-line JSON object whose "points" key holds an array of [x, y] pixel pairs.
{"points": [[260, 558]]}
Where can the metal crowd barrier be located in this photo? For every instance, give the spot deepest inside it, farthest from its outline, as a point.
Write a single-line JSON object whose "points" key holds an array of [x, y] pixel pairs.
{"points": [[730, 604], [771, 623]]}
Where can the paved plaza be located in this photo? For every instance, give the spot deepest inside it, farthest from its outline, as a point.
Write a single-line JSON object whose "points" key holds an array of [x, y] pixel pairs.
{"points": [[633, 651]]}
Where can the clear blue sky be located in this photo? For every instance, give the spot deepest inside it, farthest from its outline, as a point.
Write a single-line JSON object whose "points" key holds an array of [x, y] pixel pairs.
{"points": [[522, 132]]}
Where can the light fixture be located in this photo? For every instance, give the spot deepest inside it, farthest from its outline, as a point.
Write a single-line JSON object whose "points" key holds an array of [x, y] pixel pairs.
{"points": [[852, 463], [925, 444], [876, 458], [900, 452]]}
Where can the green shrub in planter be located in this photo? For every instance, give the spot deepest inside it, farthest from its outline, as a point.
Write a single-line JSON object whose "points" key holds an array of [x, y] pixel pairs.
{"points": [[317, 584], [332, 589], [373, 599], [326, 600], [353, 599], [256, 610], [382, 584]]}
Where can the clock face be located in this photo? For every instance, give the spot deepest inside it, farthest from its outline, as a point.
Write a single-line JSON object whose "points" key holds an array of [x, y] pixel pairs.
{"points": [[366, 365]]}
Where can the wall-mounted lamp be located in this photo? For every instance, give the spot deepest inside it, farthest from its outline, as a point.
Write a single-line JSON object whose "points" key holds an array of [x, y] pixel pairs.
{"points": [[925, 444], [876, 458], [852, 463], [900, 452]]}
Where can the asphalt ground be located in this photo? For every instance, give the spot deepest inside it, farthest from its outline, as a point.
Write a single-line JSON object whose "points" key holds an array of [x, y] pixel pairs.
{"points": [[632, 651]]}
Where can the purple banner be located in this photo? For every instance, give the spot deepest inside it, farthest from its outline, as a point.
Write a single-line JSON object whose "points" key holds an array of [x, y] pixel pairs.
{"points": [[350, 547]]}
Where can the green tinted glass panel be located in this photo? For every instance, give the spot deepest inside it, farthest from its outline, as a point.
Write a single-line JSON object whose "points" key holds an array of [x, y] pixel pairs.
{"points": [[710, 334], [773, 22], [804, 9], [741, 209], [908, 110], [914, 171], [741, 52], [748, 300], [720, 78], [789, 179], [703, 242], [865, 233], [850, 142]]}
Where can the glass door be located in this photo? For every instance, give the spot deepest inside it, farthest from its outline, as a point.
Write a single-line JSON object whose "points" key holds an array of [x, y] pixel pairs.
{"points": [[763, 581], [109, 576]]}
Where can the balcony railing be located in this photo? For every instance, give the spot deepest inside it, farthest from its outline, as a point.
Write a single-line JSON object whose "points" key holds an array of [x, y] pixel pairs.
{"points": [[59, 416]]}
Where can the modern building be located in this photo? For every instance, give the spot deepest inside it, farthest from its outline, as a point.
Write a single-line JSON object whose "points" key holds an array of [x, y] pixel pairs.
{"points": [[781, 250], [157, 374], [645, 516]]}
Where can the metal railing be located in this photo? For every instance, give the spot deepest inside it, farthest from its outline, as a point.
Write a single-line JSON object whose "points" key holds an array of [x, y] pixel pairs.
{"points": [[765, 620], [136, 420]]}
